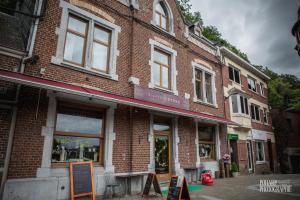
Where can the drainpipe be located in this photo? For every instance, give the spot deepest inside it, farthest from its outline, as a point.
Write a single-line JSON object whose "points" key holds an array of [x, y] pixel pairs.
{"points": [[15, 102]]}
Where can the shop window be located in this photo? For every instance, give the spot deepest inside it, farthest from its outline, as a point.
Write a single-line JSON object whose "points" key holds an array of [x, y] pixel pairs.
{"points": [[161, 16], [239, 104], [79, 135], [162, 69], [234, 74], [86, 42], [260, 154], [204, 85], [255, 112], [206, 137], [252, 84]]}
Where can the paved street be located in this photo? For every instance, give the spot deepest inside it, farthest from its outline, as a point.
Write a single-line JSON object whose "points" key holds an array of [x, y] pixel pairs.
{"points": [[245, 187]]}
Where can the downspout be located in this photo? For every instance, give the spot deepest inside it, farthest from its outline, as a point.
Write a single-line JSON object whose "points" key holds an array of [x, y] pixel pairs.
{"points": [[15, 102]]}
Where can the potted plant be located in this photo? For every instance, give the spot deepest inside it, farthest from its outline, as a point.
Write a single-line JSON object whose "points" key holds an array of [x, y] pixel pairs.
{"points": [[234, 169]]}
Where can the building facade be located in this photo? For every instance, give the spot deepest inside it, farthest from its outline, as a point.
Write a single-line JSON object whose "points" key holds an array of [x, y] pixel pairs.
{"points": [[252, 144], [126, 84]]}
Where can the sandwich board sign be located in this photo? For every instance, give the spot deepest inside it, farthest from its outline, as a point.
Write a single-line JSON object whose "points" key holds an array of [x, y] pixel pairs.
{"points": [[151, 179], [178, 189]]}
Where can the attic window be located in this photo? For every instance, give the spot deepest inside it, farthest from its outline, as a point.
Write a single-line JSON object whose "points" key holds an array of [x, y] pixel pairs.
{"points": [[161, 16]]}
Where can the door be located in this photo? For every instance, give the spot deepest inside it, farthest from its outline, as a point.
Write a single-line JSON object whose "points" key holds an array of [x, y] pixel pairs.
{"points": [[270, 149], [162, 155], [250, 159], [234, 151]]}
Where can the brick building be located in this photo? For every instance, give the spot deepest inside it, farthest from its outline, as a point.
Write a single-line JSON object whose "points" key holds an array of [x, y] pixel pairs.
{"points": [[252, 143], [127, 84]]}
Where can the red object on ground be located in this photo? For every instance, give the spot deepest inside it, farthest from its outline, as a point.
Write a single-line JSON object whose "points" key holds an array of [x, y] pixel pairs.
{"points": [[207, 179]]}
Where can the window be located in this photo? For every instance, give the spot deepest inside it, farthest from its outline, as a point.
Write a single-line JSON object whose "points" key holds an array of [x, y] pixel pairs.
{"points": [[78, 136], [260, 154], [162, 69], [239, 104], [86, 42], [234, 74], [265, 115], [262, 89], [161, 16], [204, 85], [251, 84], [255, 112], [206, 142]]}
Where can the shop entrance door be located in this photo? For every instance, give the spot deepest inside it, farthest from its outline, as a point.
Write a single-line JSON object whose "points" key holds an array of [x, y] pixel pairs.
{"points": [[250, 159], [162, 147], [271, 155]]}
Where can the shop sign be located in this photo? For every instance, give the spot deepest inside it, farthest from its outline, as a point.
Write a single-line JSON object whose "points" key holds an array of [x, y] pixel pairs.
{"points": [[233, 137], [154, 96], [259, 135]]}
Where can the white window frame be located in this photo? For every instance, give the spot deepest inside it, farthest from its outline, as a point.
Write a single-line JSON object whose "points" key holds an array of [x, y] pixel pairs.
{"points": [[265, 113], [170, 25], [261, 88], [156, 45], [255, 112], [234, 69], [239, 105], [250, 78], [93, 20], [263, 151], [214, 90]]}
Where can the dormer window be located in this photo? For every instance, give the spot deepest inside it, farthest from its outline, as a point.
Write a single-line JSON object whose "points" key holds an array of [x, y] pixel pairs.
{"points": [[161, 16]]}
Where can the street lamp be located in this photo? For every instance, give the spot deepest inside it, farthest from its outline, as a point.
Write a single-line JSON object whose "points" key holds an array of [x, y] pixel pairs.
{"points": [[296, 32]]}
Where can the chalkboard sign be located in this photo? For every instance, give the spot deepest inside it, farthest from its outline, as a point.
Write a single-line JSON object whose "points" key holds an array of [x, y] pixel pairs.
{"points": [[178, 190], [81, 179], [151, 179]]}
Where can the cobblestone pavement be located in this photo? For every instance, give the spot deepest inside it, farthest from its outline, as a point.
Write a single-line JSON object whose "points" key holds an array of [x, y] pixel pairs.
{"points": [[244, 187]]}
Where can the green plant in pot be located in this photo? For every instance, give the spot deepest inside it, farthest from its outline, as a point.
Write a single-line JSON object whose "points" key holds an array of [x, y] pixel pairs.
{"points": [[234, 169]]}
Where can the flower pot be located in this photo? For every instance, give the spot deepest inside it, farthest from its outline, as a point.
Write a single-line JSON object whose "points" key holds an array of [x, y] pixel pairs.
{"points": [[235, 174]]}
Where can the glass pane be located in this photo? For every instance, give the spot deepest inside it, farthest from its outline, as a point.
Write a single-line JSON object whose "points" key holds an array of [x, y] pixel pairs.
{"points": [[161, 154], [161, 58], [208, 87], [70, 149], [260, 155], [78, 122], [206, 133], [100, 56], [257, 117], [157, 19], [163, 22], [246, 106], [102, 35], [77, 25], [156, 74], [242, 104], [74, 48], [237, 76], [230, 73], [206, 151], [198, 74], [159, 8], [165, 77], [199, 90], [161, 127], [252, 112], [234, 102]]}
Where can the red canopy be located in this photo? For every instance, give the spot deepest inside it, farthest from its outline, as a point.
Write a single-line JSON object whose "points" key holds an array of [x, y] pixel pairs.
{"points": [[93, 93]]}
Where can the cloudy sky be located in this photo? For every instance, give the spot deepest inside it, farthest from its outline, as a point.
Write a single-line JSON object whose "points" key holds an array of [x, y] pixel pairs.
{"points": [[260, 28]]}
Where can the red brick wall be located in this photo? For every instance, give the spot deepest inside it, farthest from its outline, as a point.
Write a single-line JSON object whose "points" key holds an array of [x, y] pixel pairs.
{"points": [[5, 119], [28, 142], [9, 63]]}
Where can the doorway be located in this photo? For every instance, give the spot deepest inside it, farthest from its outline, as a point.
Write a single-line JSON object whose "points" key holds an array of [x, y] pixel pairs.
{"points": [[249, 156], [162, 147], [270, 149]]}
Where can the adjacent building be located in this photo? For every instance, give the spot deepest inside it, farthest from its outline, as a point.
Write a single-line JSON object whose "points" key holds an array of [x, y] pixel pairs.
{"points": [[127, 84], [252, 143]]}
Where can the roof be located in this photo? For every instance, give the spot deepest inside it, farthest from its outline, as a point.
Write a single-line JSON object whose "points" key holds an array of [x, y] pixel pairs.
{"points": [[93, 93], [244, 63]]}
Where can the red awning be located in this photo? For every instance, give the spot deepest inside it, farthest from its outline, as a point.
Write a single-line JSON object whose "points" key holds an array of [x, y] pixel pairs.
{"points": [[93, 93]]}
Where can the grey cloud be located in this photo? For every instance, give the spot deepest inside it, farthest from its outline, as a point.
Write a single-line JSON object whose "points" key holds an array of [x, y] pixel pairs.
{"points": [[261, 28]]}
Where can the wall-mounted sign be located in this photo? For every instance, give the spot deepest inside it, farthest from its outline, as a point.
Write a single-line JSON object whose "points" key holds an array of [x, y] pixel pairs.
{"points": [[233, 137], [154, 96], [259, 135]]}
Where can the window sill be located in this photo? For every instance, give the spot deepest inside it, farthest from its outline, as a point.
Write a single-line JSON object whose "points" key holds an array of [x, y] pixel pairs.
{"points": [[255, 121], [241, 115], [260, 162], [207, 160], [254, 92], [204, 103], [59, 62], [235, 83], [165, 31], [163, 90]]}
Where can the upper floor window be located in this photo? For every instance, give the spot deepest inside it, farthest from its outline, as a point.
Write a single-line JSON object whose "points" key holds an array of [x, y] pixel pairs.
{"points": [[255, 114], [252, 84], [86, 42], [234, 74], [204, 81], [161, 16], [265, 115], [162, 69], [239, 104], [262, 89]]}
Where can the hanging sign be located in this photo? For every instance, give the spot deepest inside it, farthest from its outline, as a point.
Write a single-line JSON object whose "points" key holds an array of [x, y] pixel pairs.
{"points": [[152, 179], [81, 179], [178, 189]]}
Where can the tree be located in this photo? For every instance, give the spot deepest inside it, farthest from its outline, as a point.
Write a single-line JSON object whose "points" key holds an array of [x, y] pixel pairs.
{"points": [[185, 7]]}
